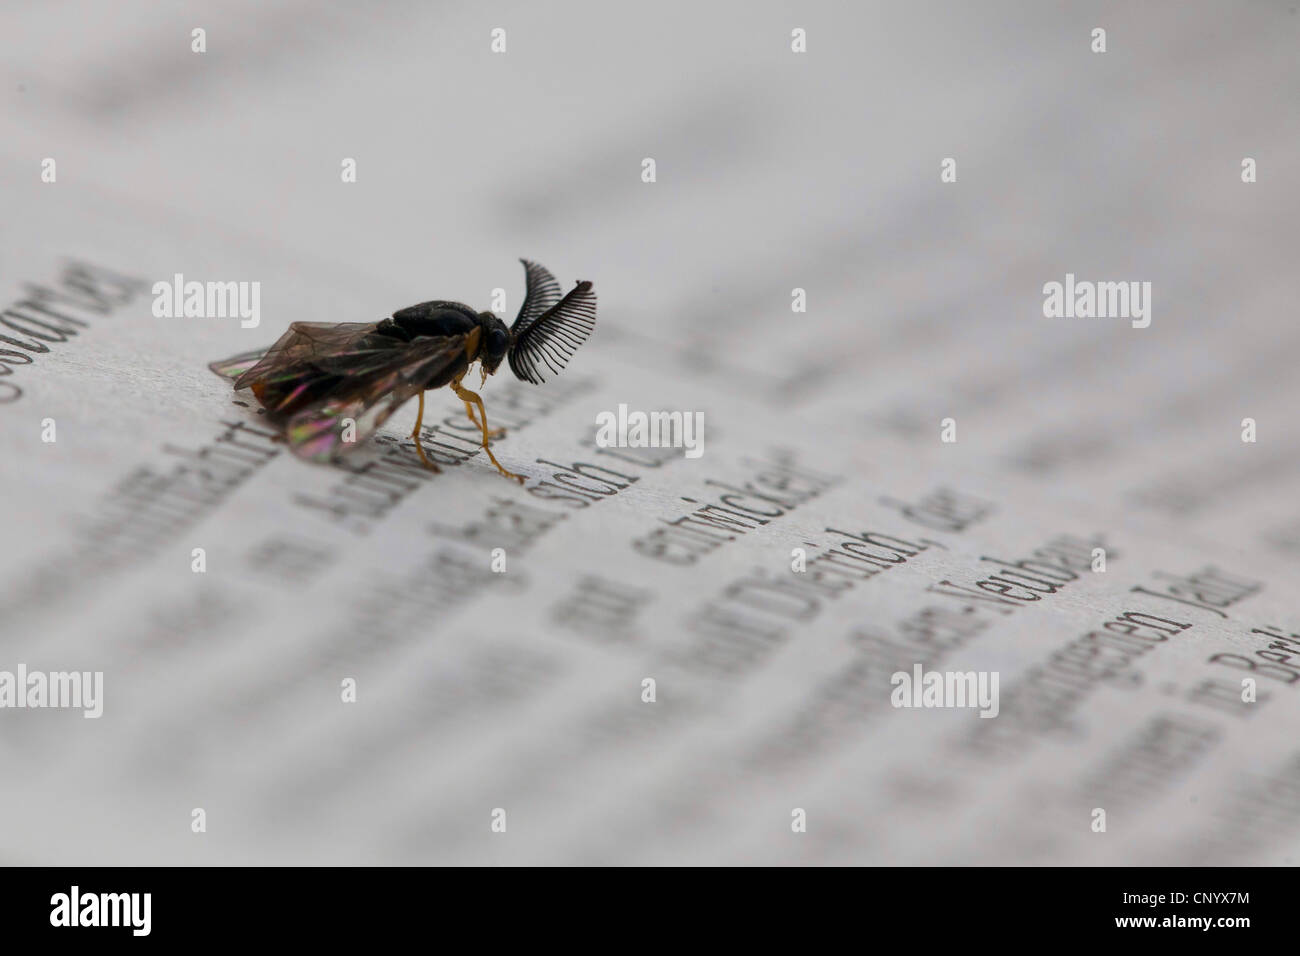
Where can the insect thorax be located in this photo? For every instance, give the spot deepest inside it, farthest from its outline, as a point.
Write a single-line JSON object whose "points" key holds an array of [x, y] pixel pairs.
{"points": [[429, 318]]}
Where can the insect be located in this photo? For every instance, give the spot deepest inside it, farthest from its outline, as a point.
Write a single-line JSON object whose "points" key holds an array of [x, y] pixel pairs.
{"points": [[330, 386]]}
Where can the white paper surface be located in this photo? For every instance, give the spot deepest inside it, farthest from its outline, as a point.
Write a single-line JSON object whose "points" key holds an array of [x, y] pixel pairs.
{"points": [[522, 691]]}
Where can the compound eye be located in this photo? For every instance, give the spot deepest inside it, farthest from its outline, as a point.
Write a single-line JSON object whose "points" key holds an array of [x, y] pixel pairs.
{"points": [[497, 342]]}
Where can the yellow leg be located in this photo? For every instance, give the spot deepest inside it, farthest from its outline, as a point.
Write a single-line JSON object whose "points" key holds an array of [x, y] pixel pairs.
{"points": [[467, 397], [415, 433], [493, 433]]}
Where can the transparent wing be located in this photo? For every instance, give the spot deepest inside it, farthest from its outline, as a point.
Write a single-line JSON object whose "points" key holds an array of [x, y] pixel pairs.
{"points": [[548, 342], [336, 423], [323, 431], [237, 365], [314, 361], [542, 293], [350, 349]]}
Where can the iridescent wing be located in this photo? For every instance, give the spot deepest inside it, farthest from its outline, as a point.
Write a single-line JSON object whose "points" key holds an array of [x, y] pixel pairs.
{"points": [[293, 353], [313, 361], [333, 385], [346, 348], [237, 365], [337, 423], [552, 337]]}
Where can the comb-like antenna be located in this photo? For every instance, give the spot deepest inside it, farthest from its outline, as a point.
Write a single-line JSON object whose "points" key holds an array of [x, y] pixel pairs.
{"points": [[542, 293], [549, 341]]}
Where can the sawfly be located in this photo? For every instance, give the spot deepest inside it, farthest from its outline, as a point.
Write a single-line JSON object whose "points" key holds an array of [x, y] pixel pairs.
{"points": [[329, 386]]}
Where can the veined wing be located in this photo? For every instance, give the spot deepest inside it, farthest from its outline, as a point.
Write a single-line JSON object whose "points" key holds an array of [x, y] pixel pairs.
{"points": [[237, 365], [338, 422], [316, 361], [349, 349]]}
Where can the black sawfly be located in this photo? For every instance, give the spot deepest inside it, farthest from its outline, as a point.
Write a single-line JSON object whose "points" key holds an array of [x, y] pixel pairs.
{"points": [[329, 386]]}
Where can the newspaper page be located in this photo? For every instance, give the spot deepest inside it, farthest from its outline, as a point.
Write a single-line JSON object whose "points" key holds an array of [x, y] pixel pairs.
{"points": [[926, 493]]}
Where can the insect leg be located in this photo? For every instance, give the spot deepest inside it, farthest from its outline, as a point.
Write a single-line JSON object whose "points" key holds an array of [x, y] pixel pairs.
{"points": [[467, 396], [415, 433], [494, 433]]}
